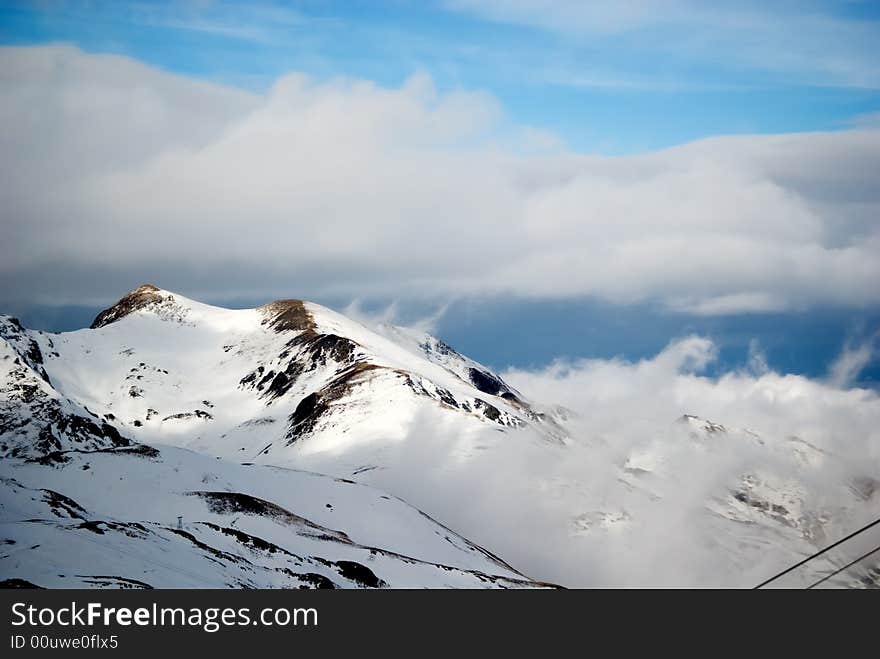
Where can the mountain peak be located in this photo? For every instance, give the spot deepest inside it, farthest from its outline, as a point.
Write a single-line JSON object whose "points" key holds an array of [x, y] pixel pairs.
{"points": [[140, 298]]}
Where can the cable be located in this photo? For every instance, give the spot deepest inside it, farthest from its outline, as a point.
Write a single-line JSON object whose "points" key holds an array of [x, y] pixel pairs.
{"points": [[848, 565], [818, 553]]}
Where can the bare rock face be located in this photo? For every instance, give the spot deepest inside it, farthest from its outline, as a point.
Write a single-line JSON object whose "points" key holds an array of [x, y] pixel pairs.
{"points": [[140, 298], [307, 351], [284, 315]]}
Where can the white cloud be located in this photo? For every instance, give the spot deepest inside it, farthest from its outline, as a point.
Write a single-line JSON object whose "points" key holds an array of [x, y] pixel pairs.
{"points": [[819, 436], [114, 173]]}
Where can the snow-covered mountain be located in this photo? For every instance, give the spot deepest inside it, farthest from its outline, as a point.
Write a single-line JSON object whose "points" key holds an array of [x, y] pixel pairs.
{"points": [[264, 385], [94, 496], [168, 407]]}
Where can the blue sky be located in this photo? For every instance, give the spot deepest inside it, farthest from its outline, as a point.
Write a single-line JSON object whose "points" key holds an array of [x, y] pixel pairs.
{"points": [[754, 241], [602, 79]]}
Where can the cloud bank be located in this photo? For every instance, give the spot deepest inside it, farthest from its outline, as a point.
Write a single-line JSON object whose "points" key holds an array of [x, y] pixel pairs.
{"points": [[114, 173], [639, 497]]}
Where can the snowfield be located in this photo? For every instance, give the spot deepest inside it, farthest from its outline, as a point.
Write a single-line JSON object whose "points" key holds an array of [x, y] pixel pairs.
{"points": [[110, 518]]}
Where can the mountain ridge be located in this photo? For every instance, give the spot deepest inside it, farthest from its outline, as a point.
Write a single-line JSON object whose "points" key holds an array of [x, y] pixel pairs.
{"points": [[72, 479], [299, 356]]}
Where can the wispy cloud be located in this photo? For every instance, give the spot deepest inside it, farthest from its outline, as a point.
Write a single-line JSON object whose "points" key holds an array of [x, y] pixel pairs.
{"points": [[261, 23], [867, 120], [853, 359], [797, 43], [390, 315]]}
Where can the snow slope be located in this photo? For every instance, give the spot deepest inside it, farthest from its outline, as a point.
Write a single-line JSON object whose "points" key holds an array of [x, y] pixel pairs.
{"points": [[108, 518]]}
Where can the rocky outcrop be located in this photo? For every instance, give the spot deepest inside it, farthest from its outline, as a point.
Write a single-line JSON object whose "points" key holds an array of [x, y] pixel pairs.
{"points": [[140, 298]]}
